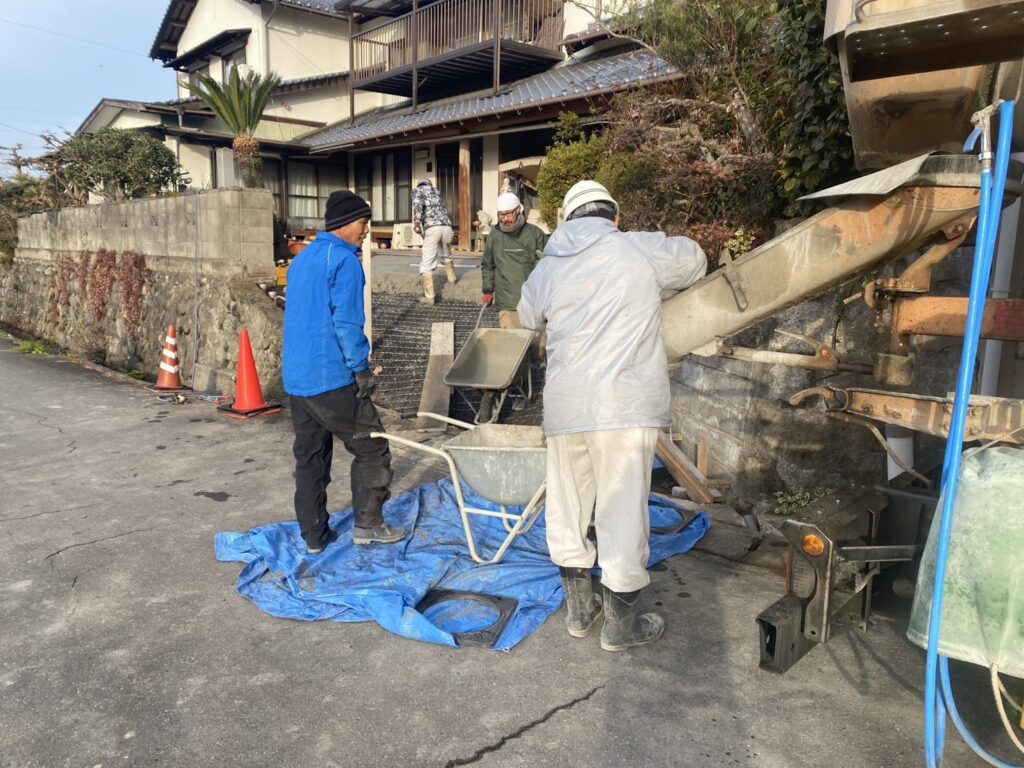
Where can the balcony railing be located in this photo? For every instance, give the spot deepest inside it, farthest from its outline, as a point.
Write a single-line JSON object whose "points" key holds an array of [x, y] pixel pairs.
{"points": [[448, 26]]}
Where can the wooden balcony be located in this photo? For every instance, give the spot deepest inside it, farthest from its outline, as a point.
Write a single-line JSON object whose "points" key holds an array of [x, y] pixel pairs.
{"points": [[456, 46]]}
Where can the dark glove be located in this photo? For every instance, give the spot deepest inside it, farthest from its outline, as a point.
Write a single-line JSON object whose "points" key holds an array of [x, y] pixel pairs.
{"points": [[488, 298], [365, 384]]}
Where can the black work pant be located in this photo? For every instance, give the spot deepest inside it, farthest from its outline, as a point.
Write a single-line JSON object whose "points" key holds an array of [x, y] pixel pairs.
{"points": [[317, 421]]}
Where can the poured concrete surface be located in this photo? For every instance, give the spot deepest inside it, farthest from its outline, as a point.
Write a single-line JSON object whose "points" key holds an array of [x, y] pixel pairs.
{"points": [[123, 641]]}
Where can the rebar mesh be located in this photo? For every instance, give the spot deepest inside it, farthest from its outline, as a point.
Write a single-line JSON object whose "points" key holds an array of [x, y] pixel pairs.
{"points": [[401, 349]]}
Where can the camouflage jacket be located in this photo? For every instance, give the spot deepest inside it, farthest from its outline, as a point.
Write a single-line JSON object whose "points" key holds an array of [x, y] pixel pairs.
{"points": [[428, 209]]}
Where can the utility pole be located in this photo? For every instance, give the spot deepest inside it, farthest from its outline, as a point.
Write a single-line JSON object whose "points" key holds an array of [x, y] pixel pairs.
{"points": [[17, 161]]}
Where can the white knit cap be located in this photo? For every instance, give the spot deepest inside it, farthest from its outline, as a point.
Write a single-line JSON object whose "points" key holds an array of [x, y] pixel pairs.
{"points": [[507, 201]]}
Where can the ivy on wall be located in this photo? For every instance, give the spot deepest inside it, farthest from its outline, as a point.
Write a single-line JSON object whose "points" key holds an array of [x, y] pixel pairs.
{"points": [[94, 276], [818, 151]]}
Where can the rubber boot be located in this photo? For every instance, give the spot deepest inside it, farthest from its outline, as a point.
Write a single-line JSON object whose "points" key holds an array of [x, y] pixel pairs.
{"points": [[583, 605], [428, 289], [449, 270], [624, 625]]}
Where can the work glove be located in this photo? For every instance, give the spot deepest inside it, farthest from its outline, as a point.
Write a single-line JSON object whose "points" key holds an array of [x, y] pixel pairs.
{"points": [[365, 384], [488, 298]]}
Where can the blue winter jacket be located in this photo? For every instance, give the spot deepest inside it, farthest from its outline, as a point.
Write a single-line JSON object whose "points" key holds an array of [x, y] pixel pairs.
{"points": [[324, 343]]}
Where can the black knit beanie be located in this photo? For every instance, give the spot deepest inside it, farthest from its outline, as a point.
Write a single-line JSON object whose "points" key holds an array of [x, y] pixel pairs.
{"points": [[344, 207]]}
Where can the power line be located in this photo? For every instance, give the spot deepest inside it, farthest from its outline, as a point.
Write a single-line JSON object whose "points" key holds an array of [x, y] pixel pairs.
{"points": [[20, 130], [72, 37]]}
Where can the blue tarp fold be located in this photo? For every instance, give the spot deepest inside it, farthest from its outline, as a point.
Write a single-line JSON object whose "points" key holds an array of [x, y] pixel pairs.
{"points": [[385, 583]]}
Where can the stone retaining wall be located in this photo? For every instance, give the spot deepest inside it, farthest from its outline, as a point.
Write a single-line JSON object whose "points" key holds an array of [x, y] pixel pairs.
{"points": [[760, 443]]}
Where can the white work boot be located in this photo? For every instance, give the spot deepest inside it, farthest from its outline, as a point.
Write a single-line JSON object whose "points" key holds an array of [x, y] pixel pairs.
{"points": [[428, 289], [449, 270]]}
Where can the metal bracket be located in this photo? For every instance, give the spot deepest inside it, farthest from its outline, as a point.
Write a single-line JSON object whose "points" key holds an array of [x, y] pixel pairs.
{"points": [[824, 358], [734, 279], [988, 418]]}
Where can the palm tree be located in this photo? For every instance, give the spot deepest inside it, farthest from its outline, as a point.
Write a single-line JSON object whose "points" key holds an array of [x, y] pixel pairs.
{"points": [[239, 103]]}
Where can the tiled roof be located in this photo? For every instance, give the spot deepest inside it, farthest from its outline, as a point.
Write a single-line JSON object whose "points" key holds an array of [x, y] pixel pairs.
{"points": [[325, 6], [179, 12], [296, 83], [568, 81]]}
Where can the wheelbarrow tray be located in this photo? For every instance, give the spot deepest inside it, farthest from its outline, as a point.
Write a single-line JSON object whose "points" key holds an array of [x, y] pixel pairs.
{"points": [[490, 359], [504, 463]]}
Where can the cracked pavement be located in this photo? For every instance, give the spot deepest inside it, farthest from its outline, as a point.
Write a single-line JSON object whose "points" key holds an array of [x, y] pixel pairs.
{"points": [[124, 643]]}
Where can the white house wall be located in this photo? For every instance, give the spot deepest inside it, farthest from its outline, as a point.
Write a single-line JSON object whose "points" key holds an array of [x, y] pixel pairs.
{"points": [[581, 14], [491, 176], [304, 44], [323, 105], [132, 119], [211, 17], [195, 161]]}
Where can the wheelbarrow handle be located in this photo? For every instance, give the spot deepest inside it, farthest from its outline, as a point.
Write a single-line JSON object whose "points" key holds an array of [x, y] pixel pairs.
{"points": [[436, 417], [480, 317]]}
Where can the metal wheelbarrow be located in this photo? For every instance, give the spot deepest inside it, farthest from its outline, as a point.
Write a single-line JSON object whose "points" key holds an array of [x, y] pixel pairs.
{"points": [[506, 464], [494, 361]]}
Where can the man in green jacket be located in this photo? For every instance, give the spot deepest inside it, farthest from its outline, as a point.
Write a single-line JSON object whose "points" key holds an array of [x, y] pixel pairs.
{"points": [[512, 251]]}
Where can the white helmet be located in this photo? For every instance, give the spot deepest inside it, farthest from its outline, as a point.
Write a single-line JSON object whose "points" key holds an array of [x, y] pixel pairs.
{"points": [[508, 202], [583, 192]]}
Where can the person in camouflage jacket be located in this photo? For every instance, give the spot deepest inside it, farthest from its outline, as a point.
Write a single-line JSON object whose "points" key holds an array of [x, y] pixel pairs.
{"points": [[430, 218]]}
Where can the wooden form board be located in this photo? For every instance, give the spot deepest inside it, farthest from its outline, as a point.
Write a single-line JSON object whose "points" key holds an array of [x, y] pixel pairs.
{"points": [[436, 395], [685, 471]]}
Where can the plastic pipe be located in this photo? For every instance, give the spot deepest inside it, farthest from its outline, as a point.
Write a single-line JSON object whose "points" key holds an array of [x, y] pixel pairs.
{"points": [[954, 715], [1006, 247], [992, 191]]}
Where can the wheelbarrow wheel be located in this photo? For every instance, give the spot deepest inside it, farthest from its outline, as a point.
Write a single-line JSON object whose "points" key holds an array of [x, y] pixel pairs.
{"points": [[483, 415]]}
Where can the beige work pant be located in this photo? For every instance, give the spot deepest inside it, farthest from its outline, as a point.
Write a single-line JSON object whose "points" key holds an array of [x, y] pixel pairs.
{"points": [[604, 475], [436, 247]]}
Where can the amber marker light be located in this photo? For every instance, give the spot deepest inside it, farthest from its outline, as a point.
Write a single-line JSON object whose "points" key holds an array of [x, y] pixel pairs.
{"points": [[812, 545]]}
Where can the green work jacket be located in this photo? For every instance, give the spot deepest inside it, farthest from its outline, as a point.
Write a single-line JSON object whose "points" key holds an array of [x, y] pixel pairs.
{"points": [[509, 258]]}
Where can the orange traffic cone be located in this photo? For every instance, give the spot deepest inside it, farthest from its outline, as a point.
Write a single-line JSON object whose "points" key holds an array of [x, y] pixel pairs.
{"points": [[169, 377], [248, 400]]}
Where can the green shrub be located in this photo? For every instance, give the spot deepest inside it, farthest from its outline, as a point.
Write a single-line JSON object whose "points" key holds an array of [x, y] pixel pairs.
{"points": [[816, 135], [35, 348], [571, 158]]}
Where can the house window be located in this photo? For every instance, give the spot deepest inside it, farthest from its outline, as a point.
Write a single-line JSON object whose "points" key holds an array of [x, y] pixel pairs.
{"points": [[302, 191], [234, 59], [203, 69], [272, 180], [310, 185], [332, 178], [385, 180]]}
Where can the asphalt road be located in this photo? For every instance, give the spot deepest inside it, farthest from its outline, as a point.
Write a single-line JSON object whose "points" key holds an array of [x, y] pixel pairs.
{"points": [[124, 643]]}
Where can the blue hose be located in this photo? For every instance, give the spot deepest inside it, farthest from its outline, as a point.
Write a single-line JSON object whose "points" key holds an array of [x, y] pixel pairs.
{"points": [[988, 227]]}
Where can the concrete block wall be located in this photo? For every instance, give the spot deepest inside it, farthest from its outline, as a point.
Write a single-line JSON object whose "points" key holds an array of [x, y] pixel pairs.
{"points": [[205, 254], [232, 231]]}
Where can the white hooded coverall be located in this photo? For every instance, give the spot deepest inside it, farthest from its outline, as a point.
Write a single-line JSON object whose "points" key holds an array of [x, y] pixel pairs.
{"points": [[597, 294]]}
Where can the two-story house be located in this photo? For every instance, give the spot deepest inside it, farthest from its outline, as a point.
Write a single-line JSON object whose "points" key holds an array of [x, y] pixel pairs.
{"points": [[376, 94]]}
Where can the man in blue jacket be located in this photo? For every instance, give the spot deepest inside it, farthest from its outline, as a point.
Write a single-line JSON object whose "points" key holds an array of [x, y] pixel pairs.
{"points": [[327, 374]]}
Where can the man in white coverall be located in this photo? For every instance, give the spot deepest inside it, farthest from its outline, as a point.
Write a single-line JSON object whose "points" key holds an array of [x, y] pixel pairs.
{"points": [[598, 294]]}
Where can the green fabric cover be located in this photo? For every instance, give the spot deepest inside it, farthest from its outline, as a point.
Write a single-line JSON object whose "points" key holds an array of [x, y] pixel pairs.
{"points": [[983, 606]]}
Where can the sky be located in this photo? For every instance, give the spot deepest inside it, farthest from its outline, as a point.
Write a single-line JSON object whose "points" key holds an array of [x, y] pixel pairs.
{"points": [[58, 58]]}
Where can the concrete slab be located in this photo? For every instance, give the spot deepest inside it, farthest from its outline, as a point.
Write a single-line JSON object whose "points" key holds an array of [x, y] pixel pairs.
{"points": [[124, 643]]}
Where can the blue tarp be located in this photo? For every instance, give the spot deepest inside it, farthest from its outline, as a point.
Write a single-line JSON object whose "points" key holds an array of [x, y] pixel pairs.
{"points": [[385, 583]]}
